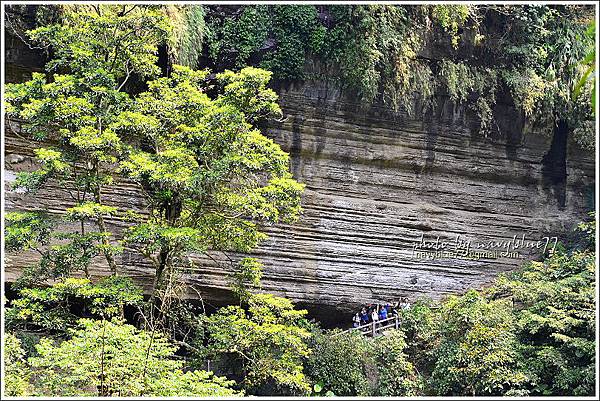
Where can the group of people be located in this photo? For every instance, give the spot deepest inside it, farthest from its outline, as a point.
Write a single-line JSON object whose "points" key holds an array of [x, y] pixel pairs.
{"points": [[377, 312]]}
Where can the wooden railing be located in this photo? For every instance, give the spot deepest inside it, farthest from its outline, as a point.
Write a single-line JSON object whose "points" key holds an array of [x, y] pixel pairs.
{"points": [[377, 327]]}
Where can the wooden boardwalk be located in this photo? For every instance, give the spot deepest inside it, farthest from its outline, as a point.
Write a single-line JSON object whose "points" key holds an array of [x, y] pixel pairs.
{"points": [[377, 328]]}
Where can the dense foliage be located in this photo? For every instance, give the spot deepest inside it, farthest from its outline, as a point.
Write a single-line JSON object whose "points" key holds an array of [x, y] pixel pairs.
{"points": [[531, 333], [294, 32], [209, 176], [554, 319], [476, 348], [108, 358], [349, 364], [193, 144], [340, 362], [267, 341], [396, 375], [15, 375], [49, 309], [542, 55]]}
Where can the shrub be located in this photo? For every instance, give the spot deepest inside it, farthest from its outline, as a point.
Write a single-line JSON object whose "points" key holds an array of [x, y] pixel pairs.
{"points": [[555, 322], [16, 375], [266, 343], [341, 362], [397, 376], [476, 353], [109, 358]]}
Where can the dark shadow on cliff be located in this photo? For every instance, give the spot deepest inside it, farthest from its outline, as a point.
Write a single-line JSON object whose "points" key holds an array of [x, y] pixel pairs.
{"points": [[554, 164]]}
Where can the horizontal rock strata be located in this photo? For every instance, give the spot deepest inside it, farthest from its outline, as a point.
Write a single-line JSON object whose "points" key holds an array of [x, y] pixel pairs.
{"points": [[377, 181]]}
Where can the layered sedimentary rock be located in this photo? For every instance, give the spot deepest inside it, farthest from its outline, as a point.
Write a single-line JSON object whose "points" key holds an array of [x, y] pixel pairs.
{"points": [[377, 182]]}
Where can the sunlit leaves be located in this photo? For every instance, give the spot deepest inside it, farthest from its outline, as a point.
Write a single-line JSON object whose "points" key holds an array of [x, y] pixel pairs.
{"points": [[210, 176], [269, 339], [122, 39], [477, 353], [49, 308], [52, 165], [138, 123], [26, 230], [172, 168], [89, 210], [451, 18], [112, 358], [556, 320], [283, 192], [153, 238], [16, 375], [341, 362], [17, 95], [247, 91], [97, 142]]}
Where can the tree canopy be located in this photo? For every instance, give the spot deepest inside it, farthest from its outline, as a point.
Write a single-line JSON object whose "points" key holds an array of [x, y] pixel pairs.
{"points": [[191, 141]]}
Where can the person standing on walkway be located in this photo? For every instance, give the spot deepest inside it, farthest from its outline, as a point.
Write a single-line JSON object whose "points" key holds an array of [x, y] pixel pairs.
{"points": [[382, 313], [364, 316], [356, 320], [374, 316]]}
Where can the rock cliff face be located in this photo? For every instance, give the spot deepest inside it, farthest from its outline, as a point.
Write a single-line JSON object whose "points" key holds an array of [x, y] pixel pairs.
{"points": [[377, 181]]}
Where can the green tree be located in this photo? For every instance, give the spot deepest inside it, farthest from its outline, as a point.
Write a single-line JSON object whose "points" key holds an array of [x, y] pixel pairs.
{"points": [[531, 332], [476, 353], [15, 375], [396, 374], [267, 342], [96, 51], [555, 319], [418, 323], [24, 231], [209, 176], [109, 358], [48, 310], [350, 364], [341, 362]]}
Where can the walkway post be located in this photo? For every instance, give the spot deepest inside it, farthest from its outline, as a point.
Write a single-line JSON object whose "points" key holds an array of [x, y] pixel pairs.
{"points": [[397, 325], [373, 329]]}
